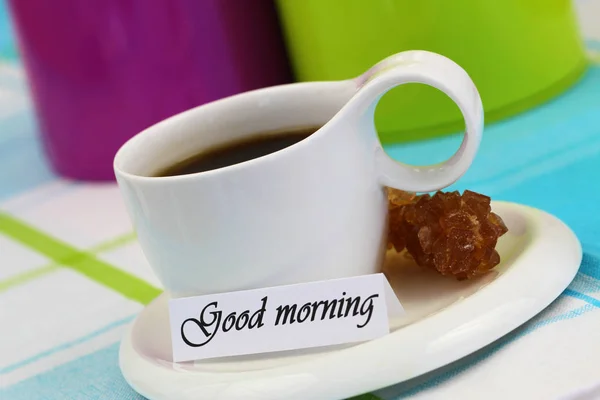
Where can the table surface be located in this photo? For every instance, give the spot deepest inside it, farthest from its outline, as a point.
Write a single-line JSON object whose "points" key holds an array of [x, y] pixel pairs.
{"points": [[72, 276]]}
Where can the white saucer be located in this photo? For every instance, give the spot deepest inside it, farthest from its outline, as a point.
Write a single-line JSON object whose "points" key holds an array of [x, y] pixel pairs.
{"points": [[445, 320]]}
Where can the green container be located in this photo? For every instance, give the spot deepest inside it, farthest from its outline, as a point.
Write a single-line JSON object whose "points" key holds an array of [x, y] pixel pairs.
{"points": [[519, 53]]}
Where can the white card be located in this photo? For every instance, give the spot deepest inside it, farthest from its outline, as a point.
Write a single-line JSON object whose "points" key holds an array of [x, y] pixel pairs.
{"points": [[282, 318]]}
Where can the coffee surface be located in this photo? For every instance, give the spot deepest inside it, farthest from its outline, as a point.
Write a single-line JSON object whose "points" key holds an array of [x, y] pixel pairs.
{"points": [[254, 146]]}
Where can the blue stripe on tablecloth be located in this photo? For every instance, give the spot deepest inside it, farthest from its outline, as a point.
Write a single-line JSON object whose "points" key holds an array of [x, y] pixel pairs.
{"points": [[589, 274], [585, 284], [66, 345], [583, 297], [94, 376], [591, 267]]}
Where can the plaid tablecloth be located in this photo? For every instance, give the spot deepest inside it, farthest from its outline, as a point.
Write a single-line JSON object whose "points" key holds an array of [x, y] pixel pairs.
{"points": [[72, 276]]}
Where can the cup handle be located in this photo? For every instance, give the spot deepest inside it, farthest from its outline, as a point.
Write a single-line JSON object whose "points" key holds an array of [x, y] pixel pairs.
{"points": [[437, 71]]}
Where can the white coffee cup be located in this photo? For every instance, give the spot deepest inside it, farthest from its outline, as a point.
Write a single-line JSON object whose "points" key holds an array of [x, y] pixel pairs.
{"points": [[313, 211]]}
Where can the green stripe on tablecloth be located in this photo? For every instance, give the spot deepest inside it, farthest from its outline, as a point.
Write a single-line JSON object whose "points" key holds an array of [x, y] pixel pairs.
{"points": [[113, 243], [24, 277], [64, 254], [27, 276]]}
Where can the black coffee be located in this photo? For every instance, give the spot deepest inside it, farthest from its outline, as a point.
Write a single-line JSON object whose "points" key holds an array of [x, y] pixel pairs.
{"points": [[236, 152]]}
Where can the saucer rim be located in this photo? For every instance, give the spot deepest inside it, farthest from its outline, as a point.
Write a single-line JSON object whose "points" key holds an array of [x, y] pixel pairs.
{"points": [[442, 338]]}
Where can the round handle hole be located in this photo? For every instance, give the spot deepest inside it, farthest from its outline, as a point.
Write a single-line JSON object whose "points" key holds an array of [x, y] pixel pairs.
{"points": [[422, 112]]}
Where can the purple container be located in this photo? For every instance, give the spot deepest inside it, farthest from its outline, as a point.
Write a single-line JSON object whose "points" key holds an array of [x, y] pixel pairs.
{"points": [[102, 71]]}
